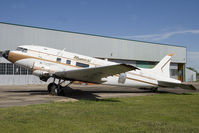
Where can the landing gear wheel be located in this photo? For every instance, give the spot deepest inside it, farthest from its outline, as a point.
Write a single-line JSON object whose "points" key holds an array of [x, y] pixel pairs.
{"points": [[49, 87], [60, 91], [53, 88], [57, 89]]}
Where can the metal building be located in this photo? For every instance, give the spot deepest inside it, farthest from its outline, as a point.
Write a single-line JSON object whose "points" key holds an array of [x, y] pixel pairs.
{"points": [[190, 75], [138, 53]]}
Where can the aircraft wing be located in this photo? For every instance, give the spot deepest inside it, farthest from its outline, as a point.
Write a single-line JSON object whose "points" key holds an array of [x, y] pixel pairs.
{"points": [[94, 74], [172, 85]]}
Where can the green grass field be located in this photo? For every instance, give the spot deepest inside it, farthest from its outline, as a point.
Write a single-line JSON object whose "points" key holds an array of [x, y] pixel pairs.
{"points": [[157, 113]]}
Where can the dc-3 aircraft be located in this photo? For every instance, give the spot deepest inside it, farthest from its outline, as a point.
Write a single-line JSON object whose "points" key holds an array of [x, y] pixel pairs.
{"points": [[66, 66]]}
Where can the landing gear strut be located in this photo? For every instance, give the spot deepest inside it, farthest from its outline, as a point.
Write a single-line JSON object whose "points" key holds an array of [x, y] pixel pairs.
{"points": [[57, 89]]}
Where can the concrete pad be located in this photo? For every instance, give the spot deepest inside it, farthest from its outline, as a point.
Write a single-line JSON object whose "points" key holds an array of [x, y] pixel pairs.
{"points": [[36, 94]]}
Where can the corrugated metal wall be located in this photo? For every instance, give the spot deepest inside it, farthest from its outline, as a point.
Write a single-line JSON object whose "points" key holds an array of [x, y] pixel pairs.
{"points": [[103, 47]]}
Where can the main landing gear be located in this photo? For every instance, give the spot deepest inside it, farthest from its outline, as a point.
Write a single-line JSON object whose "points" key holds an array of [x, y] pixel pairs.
{"points": [[57, 89]]}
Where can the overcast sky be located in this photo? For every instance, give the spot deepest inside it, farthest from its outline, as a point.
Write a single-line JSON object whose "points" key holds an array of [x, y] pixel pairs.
{"points": [[174, 22]]}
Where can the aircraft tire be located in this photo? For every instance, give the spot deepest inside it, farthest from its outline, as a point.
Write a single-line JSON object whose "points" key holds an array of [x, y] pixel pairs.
{"points": [[52, 88], [60, 91], [49, 87]]}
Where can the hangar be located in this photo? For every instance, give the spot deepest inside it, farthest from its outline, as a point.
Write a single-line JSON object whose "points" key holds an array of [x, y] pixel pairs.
{"points": [[139, 53]]}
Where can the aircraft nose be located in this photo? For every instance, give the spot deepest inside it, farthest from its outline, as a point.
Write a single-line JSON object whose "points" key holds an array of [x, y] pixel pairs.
{"points": [[5, 53]]}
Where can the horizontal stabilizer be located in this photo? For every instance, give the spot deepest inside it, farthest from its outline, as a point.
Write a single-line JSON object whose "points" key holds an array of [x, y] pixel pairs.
{"points": [[172, 85]]}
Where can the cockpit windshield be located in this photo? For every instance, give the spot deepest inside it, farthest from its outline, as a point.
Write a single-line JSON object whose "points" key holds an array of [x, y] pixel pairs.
{"points": [[21, 49]]}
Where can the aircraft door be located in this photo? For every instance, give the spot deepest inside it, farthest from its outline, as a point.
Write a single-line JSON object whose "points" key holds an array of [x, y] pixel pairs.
{"points": [[122, 78]]}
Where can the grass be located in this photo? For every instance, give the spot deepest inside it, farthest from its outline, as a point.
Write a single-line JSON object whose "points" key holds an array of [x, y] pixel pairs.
{"points": [[157, 113]]}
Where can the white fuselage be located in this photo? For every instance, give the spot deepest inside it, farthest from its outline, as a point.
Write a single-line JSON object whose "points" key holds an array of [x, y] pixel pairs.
{"points": [[51, 60]]}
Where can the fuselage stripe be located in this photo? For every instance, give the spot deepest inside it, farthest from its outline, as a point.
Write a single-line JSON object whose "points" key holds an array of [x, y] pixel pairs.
{"points": [[141, 81]]}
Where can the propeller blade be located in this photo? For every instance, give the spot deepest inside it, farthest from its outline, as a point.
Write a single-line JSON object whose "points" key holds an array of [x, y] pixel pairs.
{"points": [[1, 53]]}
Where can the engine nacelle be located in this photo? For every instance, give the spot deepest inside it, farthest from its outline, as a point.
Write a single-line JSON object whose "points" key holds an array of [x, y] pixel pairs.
{"points": [[40, 73], [43, 75], [47, 67]]}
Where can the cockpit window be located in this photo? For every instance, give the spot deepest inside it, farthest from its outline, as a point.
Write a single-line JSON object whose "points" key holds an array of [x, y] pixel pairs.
{"points": [[24, 50], [21, 49]]}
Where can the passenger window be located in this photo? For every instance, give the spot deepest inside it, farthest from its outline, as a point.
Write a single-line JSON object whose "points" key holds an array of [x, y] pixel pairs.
{"points": [[68, 61], [81, 64], [58, 60]]}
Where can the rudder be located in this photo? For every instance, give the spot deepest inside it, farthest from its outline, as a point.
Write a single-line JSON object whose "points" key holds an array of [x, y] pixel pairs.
{"points": [[163, 67]]}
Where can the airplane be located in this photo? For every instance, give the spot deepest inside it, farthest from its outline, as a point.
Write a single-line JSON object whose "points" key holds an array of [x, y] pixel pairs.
{"points": [[48, 63]]}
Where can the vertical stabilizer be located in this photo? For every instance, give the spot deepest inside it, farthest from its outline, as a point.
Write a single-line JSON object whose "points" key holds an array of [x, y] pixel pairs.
{"points": [[162, 68]]}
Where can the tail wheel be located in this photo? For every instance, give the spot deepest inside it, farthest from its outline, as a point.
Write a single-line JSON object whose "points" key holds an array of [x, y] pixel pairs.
{"points": [[155, 89]]}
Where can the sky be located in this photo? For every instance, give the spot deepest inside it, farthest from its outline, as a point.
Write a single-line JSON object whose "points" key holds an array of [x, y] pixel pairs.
{"points": [[174, 22]]}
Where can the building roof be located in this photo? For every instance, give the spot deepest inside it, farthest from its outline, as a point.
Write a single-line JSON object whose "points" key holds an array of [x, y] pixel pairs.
{"points": [[89, 34]]}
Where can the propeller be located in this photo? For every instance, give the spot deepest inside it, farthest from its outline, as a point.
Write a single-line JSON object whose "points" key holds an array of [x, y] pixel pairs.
{"points": [[1, 53], [4, 53]]}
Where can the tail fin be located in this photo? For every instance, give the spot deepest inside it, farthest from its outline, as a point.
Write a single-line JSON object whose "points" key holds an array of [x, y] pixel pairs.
{"points": [[163, 66]]}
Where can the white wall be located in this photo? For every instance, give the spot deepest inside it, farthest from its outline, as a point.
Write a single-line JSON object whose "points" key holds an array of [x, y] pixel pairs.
{"points": [[190, 75]]}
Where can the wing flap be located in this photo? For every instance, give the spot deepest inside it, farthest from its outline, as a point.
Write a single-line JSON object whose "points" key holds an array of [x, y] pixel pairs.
{"points": [[94, 74], [172, 85]]}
